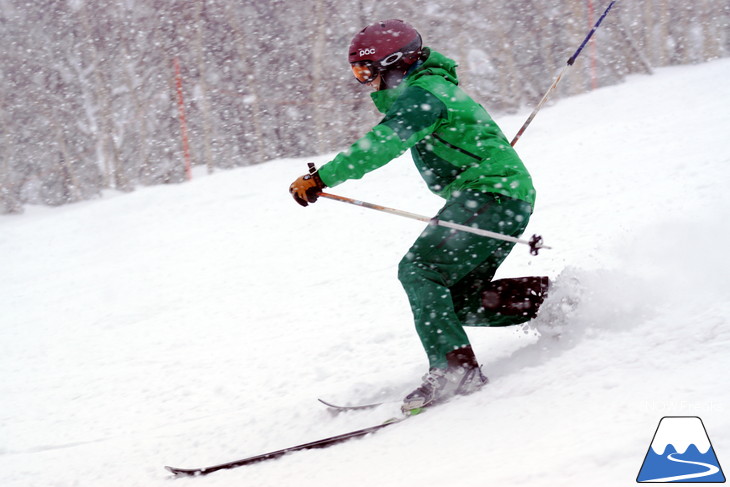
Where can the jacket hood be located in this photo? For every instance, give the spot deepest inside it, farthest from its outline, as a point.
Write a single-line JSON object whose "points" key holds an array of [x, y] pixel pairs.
{"points": [[434, 64]]}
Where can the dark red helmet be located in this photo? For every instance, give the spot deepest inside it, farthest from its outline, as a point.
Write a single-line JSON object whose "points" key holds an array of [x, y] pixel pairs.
{"points": [[390, 45]]}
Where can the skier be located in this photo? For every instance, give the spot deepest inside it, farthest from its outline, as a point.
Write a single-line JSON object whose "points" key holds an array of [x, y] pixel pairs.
{"points": [[463, 157]]}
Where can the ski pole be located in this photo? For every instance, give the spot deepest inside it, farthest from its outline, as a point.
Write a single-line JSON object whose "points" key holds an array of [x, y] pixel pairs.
{"points": [[560, 75], [535, 243]]}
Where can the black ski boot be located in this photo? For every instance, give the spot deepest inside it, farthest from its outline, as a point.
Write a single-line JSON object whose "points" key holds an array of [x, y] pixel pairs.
{"points": [[519, 296]]}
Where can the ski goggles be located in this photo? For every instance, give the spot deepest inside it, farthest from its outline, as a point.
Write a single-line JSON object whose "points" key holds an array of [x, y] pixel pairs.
{"points": [[365, 71]]}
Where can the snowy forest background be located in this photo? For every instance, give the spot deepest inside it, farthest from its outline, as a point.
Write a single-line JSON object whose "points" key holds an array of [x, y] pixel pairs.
{"points": [[90, 95]]}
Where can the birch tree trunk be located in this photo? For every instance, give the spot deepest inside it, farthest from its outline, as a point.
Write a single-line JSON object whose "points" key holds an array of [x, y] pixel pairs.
{"points": [[203, 85], [251, 80], [317, 105], [115, 176]]}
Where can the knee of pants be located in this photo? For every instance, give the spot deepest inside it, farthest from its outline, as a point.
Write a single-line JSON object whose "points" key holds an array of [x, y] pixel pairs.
{"points": [[407, 270], [413, 274]]}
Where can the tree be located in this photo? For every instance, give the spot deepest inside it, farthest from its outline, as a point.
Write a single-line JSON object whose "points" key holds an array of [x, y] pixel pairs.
{"points": [[87, 100]]}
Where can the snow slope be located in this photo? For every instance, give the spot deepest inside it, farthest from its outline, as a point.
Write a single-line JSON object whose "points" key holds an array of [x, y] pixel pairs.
{"points": [[198, 323]]}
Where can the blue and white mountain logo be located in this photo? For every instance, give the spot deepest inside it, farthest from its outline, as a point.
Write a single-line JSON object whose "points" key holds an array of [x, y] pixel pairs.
{"points": [[681, 452]]}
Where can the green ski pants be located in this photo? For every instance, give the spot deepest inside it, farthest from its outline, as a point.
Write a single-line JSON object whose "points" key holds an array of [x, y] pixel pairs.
{"points": [[444, 270]]}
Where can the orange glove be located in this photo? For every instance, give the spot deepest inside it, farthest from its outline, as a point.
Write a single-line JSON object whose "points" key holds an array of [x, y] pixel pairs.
{"points": [[306, 188]]}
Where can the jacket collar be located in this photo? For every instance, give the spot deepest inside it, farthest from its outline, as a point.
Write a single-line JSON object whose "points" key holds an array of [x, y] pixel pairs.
{"points": [[433, 64]]}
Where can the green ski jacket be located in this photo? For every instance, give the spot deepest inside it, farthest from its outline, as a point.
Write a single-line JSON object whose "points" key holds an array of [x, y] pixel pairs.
{"points": [[454, 142]]}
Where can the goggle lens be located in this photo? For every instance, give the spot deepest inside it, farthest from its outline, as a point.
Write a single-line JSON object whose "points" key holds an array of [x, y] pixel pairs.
{"points": [[364, 72]]}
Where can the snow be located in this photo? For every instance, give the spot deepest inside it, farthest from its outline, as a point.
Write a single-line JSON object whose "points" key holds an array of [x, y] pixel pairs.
{"points": [[195, 324]]}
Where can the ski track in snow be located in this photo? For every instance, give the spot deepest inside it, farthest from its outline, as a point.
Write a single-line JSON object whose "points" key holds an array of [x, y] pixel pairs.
{"points": [[195, 324]]}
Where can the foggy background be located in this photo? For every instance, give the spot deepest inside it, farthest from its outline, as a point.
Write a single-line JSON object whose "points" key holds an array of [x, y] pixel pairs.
{"points": [[92, 94]]}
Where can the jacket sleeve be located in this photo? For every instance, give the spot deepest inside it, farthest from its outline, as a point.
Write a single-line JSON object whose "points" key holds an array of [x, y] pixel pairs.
{"points": [[415, 114]]}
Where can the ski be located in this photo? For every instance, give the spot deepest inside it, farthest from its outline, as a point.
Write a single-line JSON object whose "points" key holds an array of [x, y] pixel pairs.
{"points": [[361, 407], [323, 443]]}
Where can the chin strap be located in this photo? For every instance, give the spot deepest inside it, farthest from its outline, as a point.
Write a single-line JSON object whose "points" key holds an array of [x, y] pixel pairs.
{"points": [[391, 79]]}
